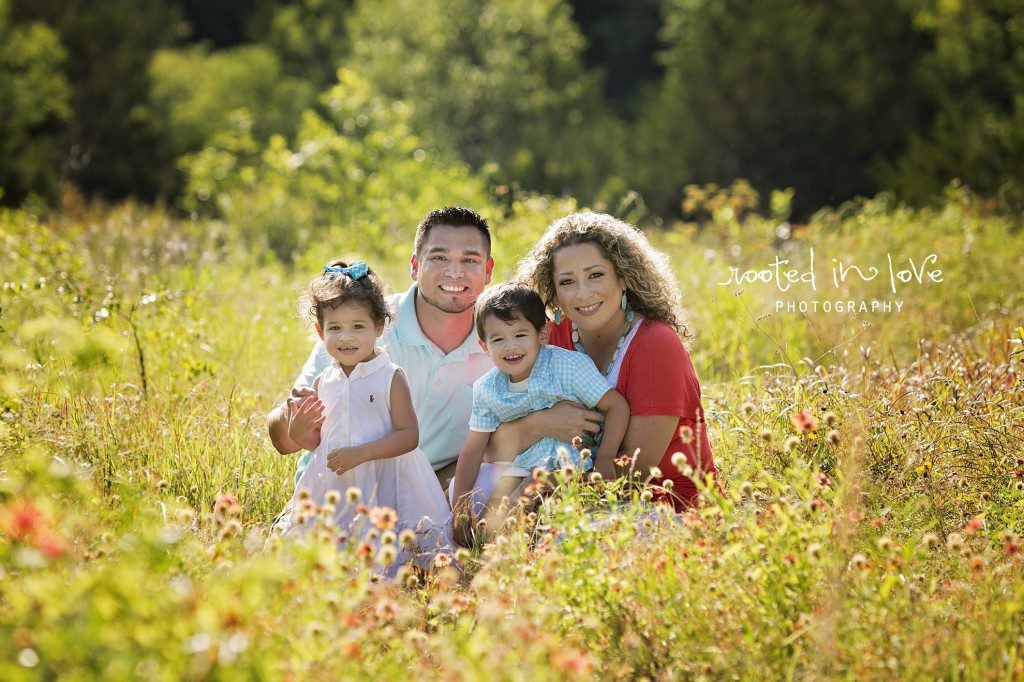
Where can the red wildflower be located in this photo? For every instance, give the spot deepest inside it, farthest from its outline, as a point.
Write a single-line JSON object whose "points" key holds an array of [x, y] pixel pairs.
{"points": [[49, 544], [226, 503], [384, 518], [803, 421], [976, 523], [22, 520], [572, 662]]}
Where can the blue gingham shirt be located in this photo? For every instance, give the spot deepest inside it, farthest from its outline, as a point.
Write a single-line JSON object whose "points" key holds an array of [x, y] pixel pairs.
{"points": [[558, 374]]}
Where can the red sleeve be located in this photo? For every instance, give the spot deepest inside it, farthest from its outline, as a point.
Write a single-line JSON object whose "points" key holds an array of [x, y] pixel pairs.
{"points": [[657, 376]]}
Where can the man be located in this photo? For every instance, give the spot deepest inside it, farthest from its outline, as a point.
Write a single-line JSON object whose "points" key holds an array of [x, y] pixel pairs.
{"points": [[432, 338]]}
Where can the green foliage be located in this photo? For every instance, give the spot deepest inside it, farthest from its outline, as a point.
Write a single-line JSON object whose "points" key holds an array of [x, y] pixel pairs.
{"points": [[309, 36], [973, 76], [110, 147], [34, 97], [784, 93], [198, 90], [501, 82]]}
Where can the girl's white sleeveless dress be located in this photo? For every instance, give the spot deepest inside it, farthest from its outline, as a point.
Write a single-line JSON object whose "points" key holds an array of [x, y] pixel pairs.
{"points": [[357, 409]]}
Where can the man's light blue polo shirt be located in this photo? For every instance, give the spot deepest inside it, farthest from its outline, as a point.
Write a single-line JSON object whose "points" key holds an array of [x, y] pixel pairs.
{"points": [[557, 374], [441, 385]]}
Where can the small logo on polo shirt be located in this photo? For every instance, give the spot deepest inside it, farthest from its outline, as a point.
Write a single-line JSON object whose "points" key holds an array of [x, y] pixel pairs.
{"points": [[371, 397]]}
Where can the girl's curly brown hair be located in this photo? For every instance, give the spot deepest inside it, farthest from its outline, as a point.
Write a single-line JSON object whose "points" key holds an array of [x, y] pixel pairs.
{"points": [[651, 288], [325, 291]]}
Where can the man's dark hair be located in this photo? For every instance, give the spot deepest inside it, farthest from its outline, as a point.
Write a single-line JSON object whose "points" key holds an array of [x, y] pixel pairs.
{"points": [[453, 216], [507, 302]]}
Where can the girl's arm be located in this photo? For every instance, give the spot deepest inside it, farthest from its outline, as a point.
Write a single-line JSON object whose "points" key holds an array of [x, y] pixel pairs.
{"points": [[616, 421], [403, 439]]}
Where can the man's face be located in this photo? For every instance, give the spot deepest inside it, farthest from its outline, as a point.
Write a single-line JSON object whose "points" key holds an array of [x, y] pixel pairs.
{"points": [[452, 268]]}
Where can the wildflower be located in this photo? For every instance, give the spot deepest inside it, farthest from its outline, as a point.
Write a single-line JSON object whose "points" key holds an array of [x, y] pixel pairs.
{"points": [[816, 505], [830, 419], [791, 443], [406, 576], [623, 461], [407, 538], [387, 538], [858, 561], [225, 504], [746, 489], [886, 544], [572, 662], [353, 494], [595, 476], [646, 496], [585, 453], [930, 541], [823, 481], [878, 522], [327, 510], [387, 555], [955, 542], [186, 516], [979, 564], [814, 551], [362, 509], [803, 421], [230, 529], [162, 485], [833, 437], [1012, 545], [303, 494], [442, 559], [462, 555], [332, 497], [577, 442], [655, 472], [21, 520], [766, 435], [667, 484], [386, 609], [562, 453], [976, 523], [748, 409], [678, 459], [364, 551], [540, 474], [685, 434], [49, 544]]}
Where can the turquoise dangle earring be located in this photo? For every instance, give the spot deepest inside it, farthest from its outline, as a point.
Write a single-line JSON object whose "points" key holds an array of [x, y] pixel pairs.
{"points": [[558, 316], [624, 303], [629, 311]]}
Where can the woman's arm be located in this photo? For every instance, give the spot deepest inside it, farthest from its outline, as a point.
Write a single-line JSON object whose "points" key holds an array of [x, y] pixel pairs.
{"points": [[403, 439], [651, 434], [563, 421]]}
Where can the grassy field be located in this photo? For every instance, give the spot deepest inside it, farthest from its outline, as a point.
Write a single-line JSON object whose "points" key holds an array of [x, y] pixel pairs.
{"points": [[140, 354]]}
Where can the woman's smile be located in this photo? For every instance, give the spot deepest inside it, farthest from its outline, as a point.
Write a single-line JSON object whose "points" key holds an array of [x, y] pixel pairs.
{"points": [[588, 310]]}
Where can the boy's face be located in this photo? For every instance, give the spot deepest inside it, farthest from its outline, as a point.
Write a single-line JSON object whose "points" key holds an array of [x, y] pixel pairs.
{"points": [[513, 346], [349, 333]]}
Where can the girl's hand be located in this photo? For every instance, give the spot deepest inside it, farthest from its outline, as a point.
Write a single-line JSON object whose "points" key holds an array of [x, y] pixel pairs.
{"points": [[344, 459], [306, 415]]}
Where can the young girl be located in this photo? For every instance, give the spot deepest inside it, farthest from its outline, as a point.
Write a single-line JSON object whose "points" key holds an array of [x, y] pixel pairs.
{"points": [[369, 435]]}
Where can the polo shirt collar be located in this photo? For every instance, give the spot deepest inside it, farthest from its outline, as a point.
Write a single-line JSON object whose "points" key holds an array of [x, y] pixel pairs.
{"points": [[407, 328], [369, 367]]}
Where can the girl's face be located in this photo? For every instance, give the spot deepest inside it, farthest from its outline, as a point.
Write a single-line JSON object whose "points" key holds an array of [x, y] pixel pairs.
{"points": [[349, 333], [587, 288]]}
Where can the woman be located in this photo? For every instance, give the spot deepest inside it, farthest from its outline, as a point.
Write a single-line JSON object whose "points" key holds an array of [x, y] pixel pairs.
{"points": [[615, 299]]}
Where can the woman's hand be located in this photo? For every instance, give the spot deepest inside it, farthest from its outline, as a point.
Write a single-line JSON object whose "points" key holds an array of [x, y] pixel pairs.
{"points": [[344, 459], [306, 416]]}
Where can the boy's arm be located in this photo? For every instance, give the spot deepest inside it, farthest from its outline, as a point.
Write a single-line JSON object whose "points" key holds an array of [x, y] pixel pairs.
{"points": [[616, 420], [468, 468], [404, 438]]}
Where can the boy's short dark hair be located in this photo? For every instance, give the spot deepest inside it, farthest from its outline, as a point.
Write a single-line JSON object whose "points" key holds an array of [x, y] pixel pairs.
{"points": [[507, 302], [453, 216]]}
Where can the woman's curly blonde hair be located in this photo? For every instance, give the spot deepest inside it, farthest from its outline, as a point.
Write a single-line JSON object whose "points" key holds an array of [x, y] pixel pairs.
{"points": [[651, 288]]}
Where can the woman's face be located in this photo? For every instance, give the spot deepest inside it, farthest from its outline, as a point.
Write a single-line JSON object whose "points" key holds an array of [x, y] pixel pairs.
{"points": [[587, 288]]}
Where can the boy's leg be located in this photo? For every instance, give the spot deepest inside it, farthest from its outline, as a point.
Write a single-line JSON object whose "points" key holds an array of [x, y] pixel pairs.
{"points": [[495, 511]]}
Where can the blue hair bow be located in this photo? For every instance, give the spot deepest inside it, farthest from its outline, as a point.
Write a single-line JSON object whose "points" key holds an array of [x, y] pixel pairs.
{"points": [[357, 270]]}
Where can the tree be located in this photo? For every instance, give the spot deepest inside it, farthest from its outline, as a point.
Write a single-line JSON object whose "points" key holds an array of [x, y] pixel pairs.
{"points": [[785, 93], [34, 96], [500, 81]]}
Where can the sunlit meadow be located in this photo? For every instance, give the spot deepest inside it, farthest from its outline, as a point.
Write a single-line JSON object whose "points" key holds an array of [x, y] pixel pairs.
{"points": [[866, 523]]}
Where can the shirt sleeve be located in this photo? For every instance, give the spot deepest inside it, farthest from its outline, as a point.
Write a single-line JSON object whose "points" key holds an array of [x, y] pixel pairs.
{"points": [[317, 363], [588, 384], [659, 378], [483, 417]]}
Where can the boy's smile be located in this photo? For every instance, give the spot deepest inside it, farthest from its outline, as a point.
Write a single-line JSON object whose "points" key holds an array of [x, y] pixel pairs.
{"points": [[513, 345]]}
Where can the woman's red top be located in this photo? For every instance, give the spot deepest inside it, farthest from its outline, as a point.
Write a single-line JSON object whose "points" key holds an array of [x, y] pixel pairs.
{"points": [[657, 378]]}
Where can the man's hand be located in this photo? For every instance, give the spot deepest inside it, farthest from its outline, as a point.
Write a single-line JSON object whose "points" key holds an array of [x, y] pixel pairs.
{"points": [[305, 417], [344, 459], [566, 419]]}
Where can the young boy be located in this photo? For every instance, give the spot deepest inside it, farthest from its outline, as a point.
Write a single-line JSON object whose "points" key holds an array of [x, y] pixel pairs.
{"points": [[529, 375]]}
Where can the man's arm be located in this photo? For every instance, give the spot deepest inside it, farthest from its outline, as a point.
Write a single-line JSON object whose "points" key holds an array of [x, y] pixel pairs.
{"points": [[563, 421]]}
